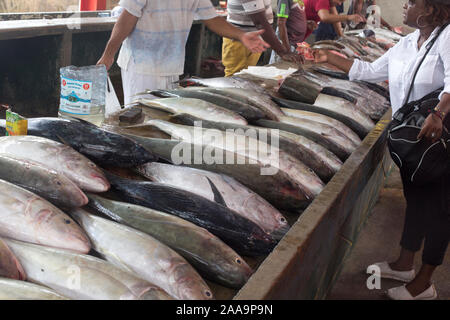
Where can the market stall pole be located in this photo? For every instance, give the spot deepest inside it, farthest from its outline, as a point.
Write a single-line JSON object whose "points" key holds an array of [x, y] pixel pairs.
{"points": [[92, 5]]}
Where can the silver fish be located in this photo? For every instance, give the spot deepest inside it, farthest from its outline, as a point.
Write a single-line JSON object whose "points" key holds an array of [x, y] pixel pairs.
{"points": [[143, 255], [196, 107], [206, 252], [212, 186], [27, 217], [9, 265], [325, 120], [80, 276], [307, 181], [58, 156], [42, 180], [21, 290]]}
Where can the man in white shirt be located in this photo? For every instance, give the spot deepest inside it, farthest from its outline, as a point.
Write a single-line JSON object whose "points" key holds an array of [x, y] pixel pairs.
{"points": [[154, 35]]}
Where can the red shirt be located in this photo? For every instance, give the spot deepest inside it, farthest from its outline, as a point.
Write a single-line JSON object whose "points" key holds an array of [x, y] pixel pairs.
{"points": [[312, 7]]}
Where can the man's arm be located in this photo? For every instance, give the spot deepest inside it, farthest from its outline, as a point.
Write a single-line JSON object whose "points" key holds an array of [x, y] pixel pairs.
{"points": [[252, 40], [261, 23], [337, 25], [122, 29], [282, 30]]}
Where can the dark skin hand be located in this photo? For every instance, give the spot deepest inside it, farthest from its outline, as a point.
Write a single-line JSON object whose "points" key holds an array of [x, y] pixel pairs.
{"points": [[261, 23]]}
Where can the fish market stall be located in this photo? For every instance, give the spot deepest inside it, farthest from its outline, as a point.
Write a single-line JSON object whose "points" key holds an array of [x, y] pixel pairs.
{"points": [[36, 46], [149, 205]]}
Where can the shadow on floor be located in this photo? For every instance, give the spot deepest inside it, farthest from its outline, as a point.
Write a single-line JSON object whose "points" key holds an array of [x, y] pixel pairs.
{"points": [[379, 241]]}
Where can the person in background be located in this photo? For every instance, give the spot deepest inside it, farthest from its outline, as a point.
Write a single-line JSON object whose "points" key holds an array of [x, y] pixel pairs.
{"points": [[324, 11], [292, 25], [427, 217], [154, 35], [251, 15], [360, 7], [327, 31]]}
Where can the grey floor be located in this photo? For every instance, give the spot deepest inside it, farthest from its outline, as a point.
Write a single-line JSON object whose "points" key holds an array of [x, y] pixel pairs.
{"points": [[378, 241]]}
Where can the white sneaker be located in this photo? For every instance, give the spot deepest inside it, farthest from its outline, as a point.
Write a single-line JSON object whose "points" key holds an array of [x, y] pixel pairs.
{"points": [[388, 273], [401, 293]]}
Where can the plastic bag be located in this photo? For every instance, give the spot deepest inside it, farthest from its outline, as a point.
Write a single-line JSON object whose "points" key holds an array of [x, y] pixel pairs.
{"points": [[112, 103]]}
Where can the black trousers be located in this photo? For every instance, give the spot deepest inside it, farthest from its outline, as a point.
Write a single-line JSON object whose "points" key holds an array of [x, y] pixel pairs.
{"points": [[427, 218]]}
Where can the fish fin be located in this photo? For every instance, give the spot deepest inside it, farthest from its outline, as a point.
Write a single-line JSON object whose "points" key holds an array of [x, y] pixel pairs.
{"points": [[63, 141], [217, 195], [141, 93], [163, 94]]}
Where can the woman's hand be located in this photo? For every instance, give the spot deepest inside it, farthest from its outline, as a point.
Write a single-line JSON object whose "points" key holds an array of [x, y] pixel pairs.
{"points": [[432, 128], [320, 56]]}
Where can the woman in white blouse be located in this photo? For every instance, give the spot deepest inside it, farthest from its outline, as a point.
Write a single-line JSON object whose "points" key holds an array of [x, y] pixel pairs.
{"points": [[428, 208]]}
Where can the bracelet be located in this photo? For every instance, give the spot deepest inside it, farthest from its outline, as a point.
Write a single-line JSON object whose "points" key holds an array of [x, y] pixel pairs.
{"points": [[439, 113]]}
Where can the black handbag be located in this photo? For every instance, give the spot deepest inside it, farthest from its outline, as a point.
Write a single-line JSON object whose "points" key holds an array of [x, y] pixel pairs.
{"points": [[421, 161]]}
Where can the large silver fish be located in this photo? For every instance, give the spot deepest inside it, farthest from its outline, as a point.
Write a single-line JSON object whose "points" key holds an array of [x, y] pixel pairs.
{"points": [[196, 107], [262, 101], [80, 276], [222, 189], [322, 161], [144, 256], [42, 180], [300, 114], [59, 157], [324, 134], [9, 265], [27, 217], [206, 252], [21, 290], [307, 181]]}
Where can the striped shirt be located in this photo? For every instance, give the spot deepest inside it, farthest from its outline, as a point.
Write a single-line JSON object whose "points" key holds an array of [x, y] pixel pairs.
{"points": [[239, 12], [157, 44]]}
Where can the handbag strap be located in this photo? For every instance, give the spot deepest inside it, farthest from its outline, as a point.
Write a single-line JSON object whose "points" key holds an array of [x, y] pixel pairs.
{"points": [[428, 47]]}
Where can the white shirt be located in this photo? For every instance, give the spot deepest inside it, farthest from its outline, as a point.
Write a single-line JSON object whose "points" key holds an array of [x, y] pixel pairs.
{"points": [[157, 44], [399, 64]]}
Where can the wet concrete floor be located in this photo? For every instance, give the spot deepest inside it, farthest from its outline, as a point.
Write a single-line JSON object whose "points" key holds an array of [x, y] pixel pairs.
{"points": [[379, 241]]}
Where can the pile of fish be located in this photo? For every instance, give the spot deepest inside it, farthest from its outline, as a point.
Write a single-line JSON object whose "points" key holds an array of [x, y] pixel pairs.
{"points": [[156, 238], [178, 191]]}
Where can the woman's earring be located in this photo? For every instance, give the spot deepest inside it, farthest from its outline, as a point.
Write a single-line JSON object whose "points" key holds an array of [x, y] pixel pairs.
{"points": [[418, 23]]}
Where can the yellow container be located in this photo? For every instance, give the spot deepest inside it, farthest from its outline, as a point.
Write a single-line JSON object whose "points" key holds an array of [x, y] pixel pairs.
{"points": [[16, 125]]}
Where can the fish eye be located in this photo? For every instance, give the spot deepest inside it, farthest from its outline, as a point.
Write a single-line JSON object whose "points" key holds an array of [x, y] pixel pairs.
{"points": [[238, 261], [283, 220], [67, 221], [58, 182], [208, 294]]}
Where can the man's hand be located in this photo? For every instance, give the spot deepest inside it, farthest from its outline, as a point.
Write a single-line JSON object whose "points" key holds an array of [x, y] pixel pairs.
{"points": [[356, 18], [253, 41], [432, 128], [107, 61], [320, 56], [312, 25], [293, 57]]}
